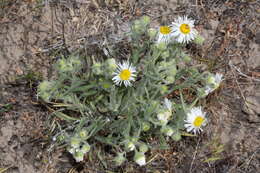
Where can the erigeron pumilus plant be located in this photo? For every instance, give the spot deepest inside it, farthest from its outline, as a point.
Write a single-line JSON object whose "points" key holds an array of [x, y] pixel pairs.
{"points": [[121, 102]]}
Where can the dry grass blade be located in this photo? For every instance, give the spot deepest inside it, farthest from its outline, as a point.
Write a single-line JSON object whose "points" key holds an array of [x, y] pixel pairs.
{"points": [[2, 170]]}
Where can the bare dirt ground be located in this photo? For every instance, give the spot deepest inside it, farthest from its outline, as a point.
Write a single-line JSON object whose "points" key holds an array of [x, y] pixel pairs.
{"points": [[33, 33]]}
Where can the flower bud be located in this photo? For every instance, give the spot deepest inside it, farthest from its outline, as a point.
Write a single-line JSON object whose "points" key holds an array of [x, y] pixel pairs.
{"points": [[119, 159], [62, 65], [65, 65], [146, 20], [211, 80], [111, 64], [170, 79], [61, 138], [130, 146], [96, 68], [139, 158], [45, 86], [152, 33], [79, 156], [186, 58], [161, 46], [75, 142], [106, 85], [85, 148], [194, 70], [172, 71], [163, 117], [163, 89], [44, 90], [75, 62], [167, 130], [83, 134], [137, 26], [146, 126], [199, 39], [163, 65], [143, 148], [45, 96], [166, 54], [71, 150], [176, 136]]}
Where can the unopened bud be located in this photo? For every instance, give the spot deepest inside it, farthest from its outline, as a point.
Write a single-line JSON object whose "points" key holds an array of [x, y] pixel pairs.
{"points": [[152, 33], [143, 148], [61, 138], [85, 148], [137, 26], [166, 54], [211, 80], [199, 39], [96, 68], [130, 146], [170, 79], [186, 58], [83, 134], [167, 130], [119, 159], [79, 156], [146, 126], [111, 64], [176, 136], [164, 89], [44, 86], [146, 20], [139, 158], [75, 142], [71, 150], [161, 46]]}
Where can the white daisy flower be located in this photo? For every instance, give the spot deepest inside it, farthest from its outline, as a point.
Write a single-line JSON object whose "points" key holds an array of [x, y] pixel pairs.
{"points": [[183, 29], [165, 34], [195, 120], [124, 74]]}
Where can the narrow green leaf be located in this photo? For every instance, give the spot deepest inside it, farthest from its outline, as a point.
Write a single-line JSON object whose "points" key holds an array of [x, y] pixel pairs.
{"points": [[212, 159], [65, 117]]}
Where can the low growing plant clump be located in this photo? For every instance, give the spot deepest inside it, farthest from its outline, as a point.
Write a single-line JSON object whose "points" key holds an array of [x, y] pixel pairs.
{"points": [[125, 102]]}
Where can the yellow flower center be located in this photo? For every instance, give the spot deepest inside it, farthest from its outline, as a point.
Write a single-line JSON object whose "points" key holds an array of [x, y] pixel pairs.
{"points": [[185, 28], [125, 74], [198, 121], [165, 30]]}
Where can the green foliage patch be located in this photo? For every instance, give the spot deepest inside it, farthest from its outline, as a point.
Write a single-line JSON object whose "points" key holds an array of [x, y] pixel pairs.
{"points": [[150, 93]]}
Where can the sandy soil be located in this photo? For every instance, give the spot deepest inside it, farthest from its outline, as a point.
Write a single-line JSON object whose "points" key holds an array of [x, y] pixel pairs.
{"points": [[33, 34]]}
